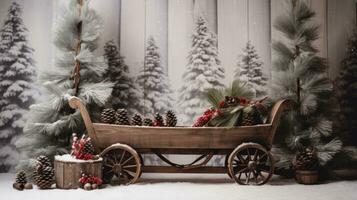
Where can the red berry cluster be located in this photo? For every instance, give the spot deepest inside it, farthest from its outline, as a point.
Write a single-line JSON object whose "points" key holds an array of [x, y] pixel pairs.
{"points": [[90, 179], [78, 147], [204, 119]]}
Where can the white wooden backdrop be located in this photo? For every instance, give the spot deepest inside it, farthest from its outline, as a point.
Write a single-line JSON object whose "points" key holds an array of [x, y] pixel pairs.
{"points": [[170, 22]]}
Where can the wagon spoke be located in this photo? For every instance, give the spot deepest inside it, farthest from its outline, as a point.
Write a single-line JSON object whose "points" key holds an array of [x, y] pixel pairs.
{"points": [[255, 155], [132, 174], [248, 154], [108, 165], [263, 156], [131, 157], [241, 158], [247, 178], [241, 171], [122, 156], [108, 158], [129, 166]]}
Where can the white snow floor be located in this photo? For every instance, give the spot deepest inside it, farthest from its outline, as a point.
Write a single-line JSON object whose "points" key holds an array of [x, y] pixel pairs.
{"points": [[187, 187]]}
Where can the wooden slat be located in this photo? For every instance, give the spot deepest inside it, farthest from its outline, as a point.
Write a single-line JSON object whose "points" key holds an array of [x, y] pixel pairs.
{"points": [[169, 169], [179, 137]]}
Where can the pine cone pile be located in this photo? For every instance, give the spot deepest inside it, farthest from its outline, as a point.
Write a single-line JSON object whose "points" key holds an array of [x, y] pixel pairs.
{"points": [[148, 122], [44, 173], [137, 120], [121, 117], [159, 120], [108, 116], [306, 160], [171, 119]]}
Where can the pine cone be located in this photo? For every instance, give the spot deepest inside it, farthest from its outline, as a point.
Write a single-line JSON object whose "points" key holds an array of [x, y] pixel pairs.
{"points": [[231, 101], [171, 119], [159, 120], [44, 160], [137, 120], [108, 116], [21, 177], [44, 178], [88, 148], [148, 122], [250, 116], [121, 117], [306, 160]]}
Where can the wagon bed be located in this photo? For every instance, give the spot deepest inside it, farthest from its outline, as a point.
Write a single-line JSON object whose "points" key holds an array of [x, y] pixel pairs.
{"points": [[118, 143]]}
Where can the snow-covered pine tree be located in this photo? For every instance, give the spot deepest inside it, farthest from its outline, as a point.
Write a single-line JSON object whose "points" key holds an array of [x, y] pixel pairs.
{"points": [[78, 72], [154, 82], [250, 70], [347, 93], [203, 72], [17, 89], [301, 75], [126, 93]]}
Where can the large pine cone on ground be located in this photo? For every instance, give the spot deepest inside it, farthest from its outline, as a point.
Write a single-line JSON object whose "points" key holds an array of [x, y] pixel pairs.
{"points": [[45, 177], [21, 177]]}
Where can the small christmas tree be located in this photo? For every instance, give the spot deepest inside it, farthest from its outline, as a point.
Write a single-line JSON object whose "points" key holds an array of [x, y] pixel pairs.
{"points": [[301, 75], [250, 70], [17, 88], [154, 82], [77, 72], [203, 72], [347, 93], [126, 93]]}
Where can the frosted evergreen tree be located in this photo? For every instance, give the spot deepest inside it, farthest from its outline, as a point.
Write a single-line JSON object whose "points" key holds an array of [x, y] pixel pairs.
{"points": [[250, 70], [17, 89], [301, 75], [203, 72], [347, 93], [154, 82], [77, 72], [126, 93]]}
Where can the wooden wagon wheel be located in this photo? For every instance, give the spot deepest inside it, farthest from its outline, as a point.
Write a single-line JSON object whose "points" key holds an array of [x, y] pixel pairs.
{"points": [[122, 161], [251, 164]]}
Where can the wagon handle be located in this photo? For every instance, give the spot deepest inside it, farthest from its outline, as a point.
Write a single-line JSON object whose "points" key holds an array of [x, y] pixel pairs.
{"points": [[76, 103], [275, 115]]}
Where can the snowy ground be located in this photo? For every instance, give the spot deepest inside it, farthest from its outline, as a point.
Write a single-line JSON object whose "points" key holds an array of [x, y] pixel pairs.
{"points": [[187, 187]]}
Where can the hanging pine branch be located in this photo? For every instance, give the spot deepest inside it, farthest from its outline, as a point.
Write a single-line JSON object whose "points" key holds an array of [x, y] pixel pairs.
{"points": [[203, 71], [77, 71], [154, 82], [126, 93], [17, 88], [250, 70], [300, 74]]}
